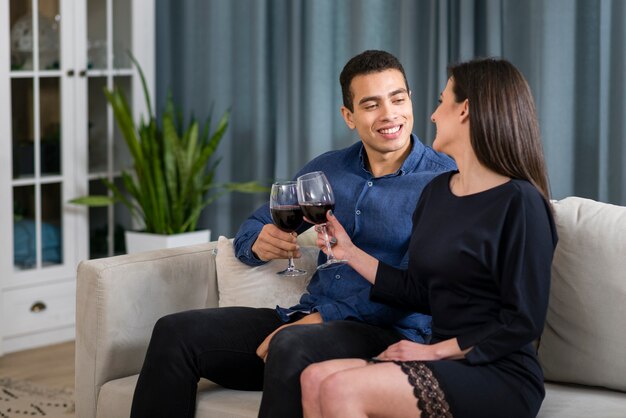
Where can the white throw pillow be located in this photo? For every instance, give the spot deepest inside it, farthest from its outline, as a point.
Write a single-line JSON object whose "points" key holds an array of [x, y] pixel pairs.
{"points": [[260, 286], [584, 340]]}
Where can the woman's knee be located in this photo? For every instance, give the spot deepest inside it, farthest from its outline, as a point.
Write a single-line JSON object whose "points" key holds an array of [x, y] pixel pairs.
{"points": [[335, 388], [312, 377]]}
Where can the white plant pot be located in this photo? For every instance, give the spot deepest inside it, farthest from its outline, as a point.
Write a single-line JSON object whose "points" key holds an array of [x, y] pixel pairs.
{"points": [[137, 242]]}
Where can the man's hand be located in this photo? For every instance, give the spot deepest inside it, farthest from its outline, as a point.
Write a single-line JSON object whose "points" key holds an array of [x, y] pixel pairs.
{"points": [[314, 318], [273, 243]]}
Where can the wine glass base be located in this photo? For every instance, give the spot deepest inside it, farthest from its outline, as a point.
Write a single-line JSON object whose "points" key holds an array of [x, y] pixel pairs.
{"points": [[331, 263], [291, 273]]}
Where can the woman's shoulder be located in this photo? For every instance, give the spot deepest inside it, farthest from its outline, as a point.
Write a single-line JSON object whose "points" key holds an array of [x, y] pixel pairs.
{"points": [[526, 191], [529, 204], [529, 200]]}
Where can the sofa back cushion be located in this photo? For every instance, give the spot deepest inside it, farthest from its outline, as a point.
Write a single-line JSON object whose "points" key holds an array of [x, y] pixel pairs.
{"points": [[584, 340], [260, 286]]}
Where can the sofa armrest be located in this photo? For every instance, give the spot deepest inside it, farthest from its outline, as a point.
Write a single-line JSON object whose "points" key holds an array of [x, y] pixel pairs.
{"points": [[118, 301]]}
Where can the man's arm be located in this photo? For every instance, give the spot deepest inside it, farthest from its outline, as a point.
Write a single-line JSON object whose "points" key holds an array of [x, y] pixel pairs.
{"points": [[248, 233], [256, 243]]}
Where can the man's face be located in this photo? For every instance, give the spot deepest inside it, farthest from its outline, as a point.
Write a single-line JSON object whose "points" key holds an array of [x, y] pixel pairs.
{"points": [[383, 112]]}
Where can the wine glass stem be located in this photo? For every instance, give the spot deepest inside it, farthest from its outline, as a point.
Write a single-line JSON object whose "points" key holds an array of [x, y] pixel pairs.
{"points": [[290, 265], [329, 251]]}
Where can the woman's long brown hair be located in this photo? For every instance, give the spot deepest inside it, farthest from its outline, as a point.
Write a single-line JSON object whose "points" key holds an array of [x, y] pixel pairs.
{"points": [[504, 131]]}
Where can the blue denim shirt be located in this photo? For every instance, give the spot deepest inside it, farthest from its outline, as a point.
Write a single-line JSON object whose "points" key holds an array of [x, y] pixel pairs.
{"points": [[376, 212]]}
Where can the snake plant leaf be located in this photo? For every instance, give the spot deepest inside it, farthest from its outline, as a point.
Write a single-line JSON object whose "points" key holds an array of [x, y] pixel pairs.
{"points": [[134, 208], [190, 142], [144, 84], [170, 149], [247, 187], [124, 119], [95, 200]]}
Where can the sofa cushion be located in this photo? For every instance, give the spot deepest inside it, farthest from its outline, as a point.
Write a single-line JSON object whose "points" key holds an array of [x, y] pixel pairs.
{"points": [[260, 286], [574, 401], [584, 339], [213, 401]]}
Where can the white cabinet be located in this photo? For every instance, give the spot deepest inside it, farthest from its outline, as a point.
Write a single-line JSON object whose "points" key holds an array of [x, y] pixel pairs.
{"points": [[57, 139]]}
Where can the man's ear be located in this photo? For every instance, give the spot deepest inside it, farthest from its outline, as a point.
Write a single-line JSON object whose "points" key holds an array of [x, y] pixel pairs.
{"points": [[464, 116], [347, 116]]}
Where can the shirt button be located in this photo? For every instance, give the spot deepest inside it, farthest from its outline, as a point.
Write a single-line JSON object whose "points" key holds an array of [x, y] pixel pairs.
{"points": [[358, 212], [370, 184], [337, 276]]}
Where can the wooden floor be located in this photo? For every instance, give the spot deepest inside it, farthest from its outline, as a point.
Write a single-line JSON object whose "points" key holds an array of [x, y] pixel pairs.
{"points": [[51, 366]]}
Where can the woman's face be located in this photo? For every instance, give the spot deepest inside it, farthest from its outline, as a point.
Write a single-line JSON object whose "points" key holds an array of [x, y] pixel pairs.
{"points": [[449, 118]]}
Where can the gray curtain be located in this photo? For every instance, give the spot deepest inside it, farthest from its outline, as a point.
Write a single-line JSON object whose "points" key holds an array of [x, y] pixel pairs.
{"points": [[276, 63]]}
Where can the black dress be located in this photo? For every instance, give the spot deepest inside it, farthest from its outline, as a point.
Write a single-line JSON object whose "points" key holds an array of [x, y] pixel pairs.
{"points": [[480, 265]]}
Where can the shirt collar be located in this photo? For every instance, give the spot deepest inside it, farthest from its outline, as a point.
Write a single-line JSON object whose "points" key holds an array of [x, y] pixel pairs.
{"points": [[409, 164]]}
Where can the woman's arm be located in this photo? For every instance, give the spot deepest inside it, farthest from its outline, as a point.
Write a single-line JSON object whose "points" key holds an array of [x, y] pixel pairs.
{"points": [[522, 271], [398, 288]]}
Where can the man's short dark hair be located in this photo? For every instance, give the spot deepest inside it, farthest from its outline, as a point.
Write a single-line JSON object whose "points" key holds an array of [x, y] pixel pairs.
{"points": [[370, 61]]}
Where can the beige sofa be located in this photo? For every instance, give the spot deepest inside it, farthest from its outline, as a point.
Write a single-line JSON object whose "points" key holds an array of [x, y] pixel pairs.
{"points": [[583, 348]]}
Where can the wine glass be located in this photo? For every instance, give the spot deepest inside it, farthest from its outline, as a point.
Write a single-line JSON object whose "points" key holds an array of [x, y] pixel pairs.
{"points": [[316, 198], [286, 215]]}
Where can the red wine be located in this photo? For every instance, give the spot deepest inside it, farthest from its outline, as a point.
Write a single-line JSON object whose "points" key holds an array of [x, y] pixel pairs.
{"points": [[287, 218], [316, 212]]}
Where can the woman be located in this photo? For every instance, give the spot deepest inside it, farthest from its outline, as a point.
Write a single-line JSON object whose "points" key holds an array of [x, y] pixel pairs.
{"points": [[479, 262]]}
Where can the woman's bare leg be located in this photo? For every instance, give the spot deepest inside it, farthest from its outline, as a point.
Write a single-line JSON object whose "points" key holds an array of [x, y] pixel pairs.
{"points": [[376, 390], [313, 376]]}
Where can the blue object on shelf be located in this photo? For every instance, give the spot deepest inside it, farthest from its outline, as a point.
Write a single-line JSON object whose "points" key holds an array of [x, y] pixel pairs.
{"points": [[24, 240]]}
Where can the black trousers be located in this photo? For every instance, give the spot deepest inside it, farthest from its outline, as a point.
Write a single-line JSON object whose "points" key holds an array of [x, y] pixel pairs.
{"points": [[220, 344]]}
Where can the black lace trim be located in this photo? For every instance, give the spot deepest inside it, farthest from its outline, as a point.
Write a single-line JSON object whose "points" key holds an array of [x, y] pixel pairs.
{"points": [[431, 400]]}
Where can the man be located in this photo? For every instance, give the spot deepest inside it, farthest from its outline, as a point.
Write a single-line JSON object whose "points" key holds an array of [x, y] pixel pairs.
{"points": [[376, 183]]}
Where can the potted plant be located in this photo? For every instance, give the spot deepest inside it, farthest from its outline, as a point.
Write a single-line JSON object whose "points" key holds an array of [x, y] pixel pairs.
{"points": [[172, 177]]}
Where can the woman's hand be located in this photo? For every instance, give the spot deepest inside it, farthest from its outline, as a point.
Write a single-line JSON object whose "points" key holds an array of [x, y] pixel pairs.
{"points": [[406, 350], [337, 236], [343, 248]]}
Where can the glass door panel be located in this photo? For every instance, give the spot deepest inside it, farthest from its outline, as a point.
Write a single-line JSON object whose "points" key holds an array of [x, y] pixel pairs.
{"points": [[122, 40], [24, 228], [97, 34], [109, 39], [98, 223], [121, 156], [21, 16], [107, 224], [97, 126], [49, 29], [29, 29], [122, 221], [50, 125], [51, 224], [23, 143]]}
